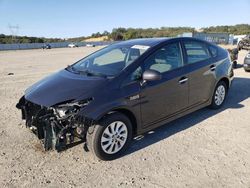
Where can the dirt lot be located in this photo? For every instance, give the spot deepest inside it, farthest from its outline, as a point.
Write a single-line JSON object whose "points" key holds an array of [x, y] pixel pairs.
{"points": [[204, 149]]}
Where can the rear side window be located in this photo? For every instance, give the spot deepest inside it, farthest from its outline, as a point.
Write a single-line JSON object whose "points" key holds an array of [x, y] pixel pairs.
{"points": [[196, 51], [213, 50]]}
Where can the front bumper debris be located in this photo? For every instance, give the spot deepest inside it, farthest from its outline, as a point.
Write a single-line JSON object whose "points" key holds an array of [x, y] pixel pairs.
{"points": [[55, 133]]}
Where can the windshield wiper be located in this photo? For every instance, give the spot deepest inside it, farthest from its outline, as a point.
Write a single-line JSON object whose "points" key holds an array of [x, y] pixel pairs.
{"points": [[90, 73], [84, 72]]}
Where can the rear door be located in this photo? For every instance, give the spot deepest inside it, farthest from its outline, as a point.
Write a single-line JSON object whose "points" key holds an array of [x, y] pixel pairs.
{"points": [[163, 98], [201, 70]]}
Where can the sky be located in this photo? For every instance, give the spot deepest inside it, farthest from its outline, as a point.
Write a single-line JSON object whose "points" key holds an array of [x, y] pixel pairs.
{"points": [[73, 18]]}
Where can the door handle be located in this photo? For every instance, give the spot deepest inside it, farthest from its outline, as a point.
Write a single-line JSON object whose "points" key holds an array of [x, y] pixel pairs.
{"points": [[183, 80], [212, 67]]}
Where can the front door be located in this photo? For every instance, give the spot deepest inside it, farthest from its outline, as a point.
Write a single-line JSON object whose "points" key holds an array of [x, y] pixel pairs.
{"points": [[163, 98]]}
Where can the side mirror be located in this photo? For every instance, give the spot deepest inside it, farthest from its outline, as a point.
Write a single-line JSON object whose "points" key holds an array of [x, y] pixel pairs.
{"points": [[151, 75]]}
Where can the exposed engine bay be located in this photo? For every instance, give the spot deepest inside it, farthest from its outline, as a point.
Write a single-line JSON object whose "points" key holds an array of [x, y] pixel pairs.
{"points": [[56, 126]]}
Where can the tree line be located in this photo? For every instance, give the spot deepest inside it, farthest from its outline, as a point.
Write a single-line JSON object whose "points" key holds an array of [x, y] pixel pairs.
{"points": [[8, 39], [131, 33], [239, 29]]}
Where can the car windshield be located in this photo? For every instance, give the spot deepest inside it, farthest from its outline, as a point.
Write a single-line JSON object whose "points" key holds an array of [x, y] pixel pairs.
{"points": [[109, 61]]}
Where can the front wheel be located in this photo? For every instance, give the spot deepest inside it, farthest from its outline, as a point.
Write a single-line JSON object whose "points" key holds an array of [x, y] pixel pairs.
{"points": [[110, 137], [219, 95]]}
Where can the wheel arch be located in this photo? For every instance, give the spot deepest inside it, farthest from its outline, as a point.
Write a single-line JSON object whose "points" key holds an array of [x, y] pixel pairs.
{"points": [[127, 113], [226, 80]]}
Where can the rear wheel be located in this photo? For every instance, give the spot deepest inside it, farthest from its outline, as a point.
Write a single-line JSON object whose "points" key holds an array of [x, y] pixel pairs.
{"points": [[111, 137], [219, 95]]}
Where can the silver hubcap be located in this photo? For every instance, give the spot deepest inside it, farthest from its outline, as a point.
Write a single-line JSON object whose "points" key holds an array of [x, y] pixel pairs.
{"points": [[220, 95], [114, 137]]}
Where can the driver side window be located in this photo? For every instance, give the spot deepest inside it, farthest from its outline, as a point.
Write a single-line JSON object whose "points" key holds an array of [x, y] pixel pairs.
{"points": [[165, 59]]}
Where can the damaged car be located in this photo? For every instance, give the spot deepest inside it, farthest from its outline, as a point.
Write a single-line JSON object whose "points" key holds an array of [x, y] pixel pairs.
{"points": [[126, 89]]}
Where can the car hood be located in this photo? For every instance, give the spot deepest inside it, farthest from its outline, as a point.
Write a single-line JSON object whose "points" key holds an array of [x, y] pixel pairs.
{"points": [[62, 86]]}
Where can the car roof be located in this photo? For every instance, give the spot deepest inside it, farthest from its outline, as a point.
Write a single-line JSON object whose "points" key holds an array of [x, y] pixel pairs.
{"points": [[154, 41], [144, 41]]}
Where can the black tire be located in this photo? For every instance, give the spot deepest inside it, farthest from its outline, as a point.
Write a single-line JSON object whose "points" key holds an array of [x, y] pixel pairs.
{"points": [[214, 105], [95, 133]]}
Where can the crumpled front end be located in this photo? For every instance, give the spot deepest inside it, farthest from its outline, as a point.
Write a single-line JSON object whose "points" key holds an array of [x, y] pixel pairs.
{"points": [[58, 126]]}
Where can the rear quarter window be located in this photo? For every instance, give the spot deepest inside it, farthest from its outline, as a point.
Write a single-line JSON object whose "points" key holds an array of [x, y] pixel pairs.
{"points": [[213, 50], [196, 51]]}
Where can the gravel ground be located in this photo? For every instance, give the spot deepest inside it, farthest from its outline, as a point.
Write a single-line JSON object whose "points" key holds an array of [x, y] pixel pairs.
{"points": [[204, 149]]}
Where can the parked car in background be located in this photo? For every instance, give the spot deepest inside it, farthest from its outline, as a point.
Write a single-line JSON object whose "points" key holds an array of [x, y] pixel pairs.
{"points": [[234, 56], [244, 43], [46, 46], [246, 64], [90, 45], [124, 90], [72, 45]]}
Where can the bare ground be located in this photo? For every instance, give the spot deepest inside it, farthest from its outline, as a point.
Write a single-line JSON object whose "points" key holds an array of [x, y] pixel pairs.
{"points": [[204, 149]]}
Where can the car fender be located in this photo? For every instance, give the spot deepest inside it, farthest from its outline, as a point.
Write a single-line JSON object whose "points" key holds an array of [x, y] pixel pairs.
{"points": [[96, 114]]}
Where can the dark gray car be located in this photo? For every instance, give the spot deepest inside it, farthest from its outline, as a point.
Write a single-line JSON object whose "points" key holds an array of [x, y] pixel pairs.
{"points": [[124, 90], [246, 64]]}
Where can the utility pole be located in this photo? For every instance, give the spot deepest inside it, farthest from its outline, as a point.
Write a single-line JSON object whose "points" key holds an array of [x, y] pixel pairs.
{"points": [[14, 31]]}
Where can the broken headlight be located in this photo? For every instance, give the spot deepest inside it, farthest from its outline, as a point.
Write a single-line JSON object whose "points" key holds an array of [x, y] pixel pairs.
{"points": [[70, 108]]}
